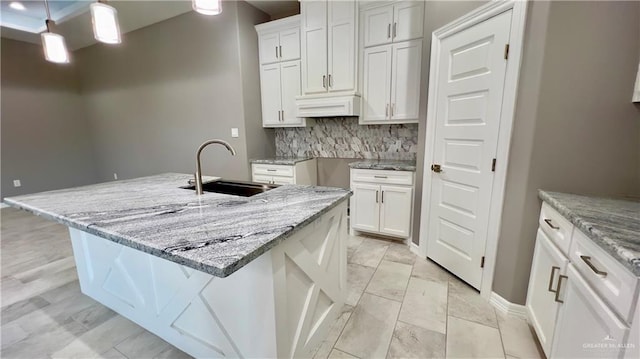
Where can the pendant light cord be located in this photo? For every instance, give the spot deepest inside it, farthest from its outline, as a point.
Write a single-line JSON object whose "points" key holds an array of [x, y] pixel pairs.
{"points": [[46, 7]]}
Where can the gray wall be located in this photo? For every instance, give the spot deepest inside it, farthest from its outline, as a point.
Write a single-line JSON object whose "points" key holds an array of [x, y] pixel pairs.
{"points": [[576, 129], [169, 87], [45, 139]]}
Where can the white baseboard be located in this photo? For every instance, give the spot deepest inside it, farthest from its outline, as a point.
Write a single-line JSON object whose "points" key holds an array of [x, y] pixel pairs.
{"points": [[506, 307], [415, 249]]}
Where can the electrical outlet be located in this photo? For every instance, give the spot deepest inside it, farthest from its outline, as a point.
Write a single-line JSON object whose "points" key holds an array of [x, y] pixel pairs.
{"points": [[16, 183], [115, 176], [234, 132]]}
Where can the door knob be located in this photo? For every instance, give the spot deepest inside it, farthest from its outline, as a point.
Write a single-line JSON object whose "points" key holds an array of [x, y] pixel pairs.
{"points": [[436, 168]]}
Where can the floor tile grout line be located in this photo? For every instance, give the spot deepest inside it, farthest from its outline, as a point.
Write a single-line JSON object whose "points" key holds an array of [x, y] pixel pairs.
{"points": [[504, 351], [116, 349]]}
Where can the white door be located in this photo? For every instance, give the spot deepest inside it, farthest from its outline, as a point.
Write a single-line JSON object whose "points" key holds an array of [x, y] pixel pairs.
{"points": [[289, 45], [290, 76], [342, 46], [365, 213], [405, 77], [548, 264], [376, 84], [377, 25], [408, 20], [269, 51], [314, 45], [469, 90], [395, 210], [586, 324], [270, 89]]}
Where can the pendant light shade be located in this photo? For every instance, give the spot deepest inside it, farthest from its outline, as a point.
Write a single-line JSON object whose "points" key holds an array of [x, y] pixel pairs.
{"points": [[55, 49], [105, 23], [208, 7]]}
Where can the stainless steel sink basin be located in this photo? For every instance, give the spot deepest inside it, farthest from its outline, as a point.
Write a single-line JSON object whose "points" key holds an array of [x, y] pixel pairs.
{"points": [[236, 188]]}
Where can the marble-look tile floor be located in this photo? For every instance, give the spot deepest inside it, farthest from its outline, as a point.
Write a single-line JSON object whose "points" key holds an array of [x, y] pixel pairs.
{"points": [[398, 306]]}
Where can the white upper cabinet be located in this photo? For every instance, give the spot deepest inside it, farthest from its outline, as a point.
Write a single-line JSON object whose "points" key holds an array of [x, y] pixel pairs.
{"points": [[280, 74], [328, 46], [396, 22], [405, 80], [376, 88]]}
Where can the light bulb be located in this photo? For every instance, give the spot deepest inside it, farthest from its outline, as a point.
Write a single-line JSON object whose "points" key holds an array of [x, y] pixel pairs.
{"points": [[208, 7], [105, 23], [55, 49]]}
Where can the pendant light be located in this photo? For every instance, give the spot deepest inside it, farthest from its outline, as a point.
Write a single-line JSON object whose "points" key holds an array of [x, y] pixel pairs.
{"points": [[54, 46], [208, 7], [105, 23]]}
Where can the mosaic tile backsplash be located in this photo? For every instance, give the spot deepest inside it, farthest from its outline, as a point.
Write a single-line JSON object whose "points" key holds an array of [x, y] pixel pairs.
{"points": [[345, 138]]}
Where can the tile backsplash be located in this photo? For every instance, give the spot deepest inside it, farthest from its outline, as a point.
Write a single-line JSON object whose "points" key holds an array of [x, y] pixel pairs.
{"points": [[345, 138]]}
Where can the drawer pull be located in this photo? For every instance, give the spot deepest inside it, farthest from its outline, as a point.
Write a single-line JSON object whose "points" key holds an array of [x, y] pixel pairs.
{"points": [[376, 196], [271, 170], [379, 176], [597, 271], [548, 221], [557, 298], [553, 272]]}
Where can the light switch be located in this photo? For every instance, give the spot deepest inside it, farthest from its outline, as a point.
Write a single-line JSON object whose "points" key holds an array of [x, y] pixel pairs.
{"points": [[234, 132]]}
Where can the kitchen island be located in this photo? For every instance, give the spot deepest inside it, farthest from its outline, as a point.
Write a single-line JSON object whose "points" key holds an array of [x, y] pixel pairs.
{"points": [[215, 275]]}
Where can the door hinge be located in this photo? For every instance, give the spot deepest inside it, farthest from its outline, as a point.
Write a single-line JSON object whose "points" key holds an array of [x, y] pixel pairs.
{"points": [[506, 51], [493, 165], [482, 262]]}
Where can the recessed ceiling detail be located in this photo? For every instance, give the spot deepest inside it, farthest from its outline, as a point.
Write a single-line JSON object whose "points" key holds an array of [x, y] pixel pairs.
{"points": [[32, 18]]}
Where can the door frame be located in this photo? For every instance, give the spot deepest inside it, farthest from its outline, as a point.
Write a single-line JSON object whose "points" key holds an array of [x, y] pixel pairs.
{"points": [[507, 112]]}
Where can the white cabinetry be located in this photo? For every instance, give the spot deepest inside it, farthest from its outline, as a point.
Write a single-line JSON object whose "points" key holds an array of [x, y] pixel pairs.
{"points": [[304, 172], [391, 43], [329, 46], [382, 202], [280, 72], [581, 301]]}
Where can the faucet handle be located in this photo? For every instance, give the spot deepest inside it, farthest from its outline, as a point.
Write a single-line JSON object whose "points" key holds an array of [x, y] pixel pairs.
{"points": [[191, 181]]}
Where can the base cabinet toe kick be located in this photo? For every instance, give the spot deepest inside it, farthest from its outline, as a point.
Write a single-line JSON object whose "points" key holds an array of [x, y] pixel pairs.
{"points": [[581, 302], [281, 304]]}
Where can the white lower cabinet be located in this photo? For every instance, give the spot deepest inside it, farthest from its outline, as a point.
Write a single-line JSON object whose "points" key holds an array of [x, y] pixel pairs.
{"points": [[581, 302], [303, 172], [587, 327], [382, 202], [548, 265]]}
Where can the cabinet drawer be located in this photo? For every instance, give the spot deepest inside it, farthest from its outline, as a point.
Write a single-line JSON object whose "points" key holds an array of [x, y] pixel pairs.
{"points": [[261, 179], [382, 177], [557, 228], [614, 283], [281, 180], [273, 170]]}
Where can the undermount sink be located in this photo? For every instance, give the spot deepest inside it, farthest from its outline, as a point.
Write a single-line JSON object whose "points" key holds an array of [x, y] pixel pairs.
{"points": [[237, 188]]}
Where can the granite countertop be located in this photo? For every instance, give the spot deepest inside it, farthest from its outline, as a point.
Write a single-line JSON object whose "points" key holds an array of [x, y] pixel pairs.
{"points": [[214, 233], [613, 224], [290, 161], [390, 165]]}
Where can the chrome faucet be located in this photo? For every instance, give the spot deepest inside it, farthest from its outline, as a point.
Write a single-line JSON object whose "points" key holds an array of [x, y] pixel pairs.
{"points": [[198, 174]]}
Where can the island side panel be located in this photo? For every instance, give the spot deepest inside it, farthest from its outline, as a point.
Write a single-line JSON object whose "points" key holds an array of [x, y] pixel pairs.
{"points": [[203, 315], [310, 278]]}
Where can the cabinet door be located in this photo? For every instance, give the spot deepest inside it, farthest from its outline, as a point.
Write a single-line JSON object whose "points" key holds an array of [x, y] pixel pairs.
{"points": [[365, 213], [408, 18], [395, 210], [548, 264], [289, 44], [587, 328], [268, 48], [262, 179], [270, 89], [282, 180], [290, 82], [342, 46], [314, 46], [377, 25], [376, 84], [405, 77]]}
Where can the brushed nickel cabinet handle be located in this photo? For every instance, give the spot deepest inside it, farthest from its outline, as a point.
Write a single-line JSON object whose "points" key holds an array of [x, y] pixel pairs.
{"points": [[389, 31], [597, 271], [324, 81], [280, 47], [376, 196], [395, 25], [560, 278], [386, 111], [548, 222], [276, 52], [553, 272], [376, 176], [392, 106], [330, 80], [271, 170], [282, 115], [382, 197]]}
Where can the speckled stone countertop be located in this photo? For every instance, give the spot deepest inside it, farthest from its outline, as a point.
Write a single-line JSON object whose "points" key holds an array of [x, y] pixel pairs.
{"points": [[613, 224], [281, 160], [214, 233], [389, 165]]}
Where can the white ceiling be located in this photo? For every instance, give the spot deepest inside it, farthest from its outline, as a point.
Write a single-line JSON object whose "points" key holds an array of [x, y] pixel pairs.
{"points": [[74, 21]]}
